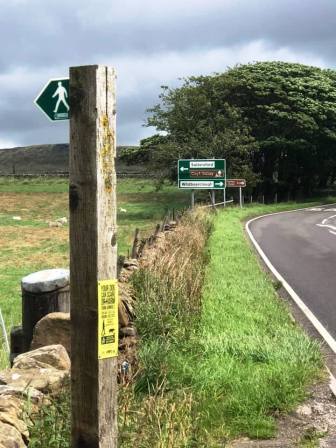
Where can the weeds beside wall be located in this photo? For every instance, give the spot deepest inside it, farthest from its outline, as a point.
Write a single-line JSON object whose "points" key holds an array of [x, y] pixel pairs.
{"points": [[153, 411]]}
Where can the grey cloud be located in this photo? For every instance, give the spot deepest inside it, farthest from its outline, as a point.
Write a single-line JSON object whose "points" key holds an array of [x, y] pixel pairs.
{"points": [[39, 35]]}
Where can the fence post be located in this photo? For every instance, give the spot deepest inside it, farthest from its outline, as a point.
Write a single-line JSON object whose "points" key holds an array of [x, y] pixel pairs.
{"points": [[135, 243], [93, 257], [156, 231]]}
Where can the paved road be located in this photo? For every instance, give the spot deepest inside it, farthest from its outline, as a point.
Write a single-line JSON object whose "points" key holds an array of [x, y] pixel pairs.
{"points": [[301, 246]]}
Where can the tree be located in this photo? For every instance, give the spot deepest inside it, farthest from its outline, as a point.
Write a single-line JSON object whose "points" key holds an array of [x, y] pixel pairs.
{"points": [[291, 111], [274, 122], [197, 124]]}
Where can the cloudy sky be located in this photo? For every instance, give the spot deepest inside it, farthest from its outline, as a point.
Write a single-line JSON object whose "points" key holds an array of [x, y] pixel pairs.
{"points": [[150, 42]]}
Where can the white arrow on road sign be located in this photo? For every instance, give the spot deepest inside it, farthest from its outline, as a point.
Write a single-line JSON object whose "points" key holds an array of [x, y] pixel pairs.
{"points": [[184, 169], [219, 184]]}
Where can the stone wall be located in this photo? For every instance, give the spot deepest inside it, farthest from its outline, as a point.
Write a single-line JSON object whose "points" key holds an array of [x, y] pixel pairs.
{"points": [[35, 376]]}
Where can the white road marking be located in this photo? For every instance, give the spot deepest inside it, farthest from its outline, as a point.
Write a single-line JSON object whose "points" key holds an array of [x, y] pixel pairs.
{"points": [[303, 307], [328, 226], [334, 233], [319, 209]]}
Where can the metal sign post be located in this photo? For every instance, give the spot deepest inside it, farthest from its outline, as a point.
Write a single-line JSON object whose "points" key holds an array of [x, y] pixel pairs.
{"points": [[93, 257], [192, 199], [237, 183], [213, 196]]}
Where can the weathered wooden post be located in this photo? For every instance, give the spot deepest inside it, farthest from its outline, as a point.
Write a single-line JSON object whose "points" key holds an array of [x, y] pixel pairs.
{"points": [[93, 257], [135, 243]]}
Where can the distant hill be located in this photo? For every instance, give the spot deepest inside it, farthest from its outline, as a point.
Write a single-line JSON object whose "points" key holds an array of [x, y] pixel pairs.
{"points": [[42, 159]]}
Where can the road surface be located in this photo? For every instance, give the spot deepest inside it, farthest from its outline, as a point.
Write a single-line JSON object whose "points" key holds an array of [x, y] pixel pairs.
{"points": [[301, 245]]}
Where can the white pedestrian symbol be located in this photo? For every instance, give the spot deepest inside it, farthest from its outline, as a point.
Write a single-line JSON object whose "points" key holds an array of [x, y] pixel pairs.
{"points": [[62, 95]]}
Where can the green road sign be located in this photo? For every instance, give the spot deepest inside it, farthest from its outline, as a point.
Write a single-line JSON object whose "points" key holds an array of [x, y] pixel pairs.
{"points": [[53, 99], [202, 174]]}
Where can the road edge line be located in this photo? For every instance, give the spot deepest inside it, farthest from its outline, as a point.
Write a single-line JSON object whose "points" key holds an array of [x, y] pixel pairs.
{"points": [[295, 297]]}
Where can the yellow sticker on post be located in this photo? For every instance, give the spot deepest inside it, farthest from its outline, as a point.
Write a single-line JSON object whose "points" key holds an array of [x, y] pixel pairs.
{"points": [[107, 319]]}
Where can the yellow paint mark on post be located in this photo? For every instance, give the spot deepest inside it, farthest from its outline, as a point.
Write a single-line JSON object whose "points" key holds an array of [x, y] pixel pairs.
{"points": [[107, 154], [107, 319]]}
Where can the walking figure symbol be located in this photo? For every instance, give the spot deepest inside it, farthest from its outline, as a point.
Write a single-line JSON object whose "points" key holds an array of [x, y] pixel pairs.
{"points": [[62, 95]]}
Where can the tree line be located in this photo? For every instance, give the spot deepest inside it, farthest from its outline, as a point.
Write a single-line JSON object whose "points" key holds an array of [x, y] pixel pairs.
{"points": [[274, 123]]}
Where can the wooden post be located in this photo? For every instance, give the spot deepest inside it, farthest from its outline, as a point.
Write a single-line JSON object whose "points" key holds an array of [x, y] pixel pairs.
{"points": [[93, 252], [224, 197], [156, 231], [164, 222], [141, 247], [135, 243]]}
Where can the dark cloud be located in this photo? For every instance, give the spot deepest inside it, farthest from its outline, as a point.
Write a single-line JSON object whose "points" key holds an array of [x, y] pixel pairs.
{"points": [[150, 42], [39, 33]]}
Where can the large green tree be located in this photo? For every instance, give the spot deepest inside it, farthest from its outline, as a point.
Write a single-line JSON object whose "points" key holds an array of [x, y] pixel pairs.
{"points": [[291, 110], [274, 122], [197, 123]]}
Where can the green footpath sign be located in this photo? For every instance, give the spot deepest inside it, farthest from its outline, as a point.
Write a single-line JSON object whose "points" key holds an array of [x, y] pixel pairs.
{"points": [[53, 99], [202, 174]]}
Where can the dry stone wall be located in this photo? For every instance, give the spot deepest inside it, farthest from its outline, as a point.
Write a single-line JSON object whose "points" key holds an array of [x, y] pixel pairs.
{"points": [[35, 376]]}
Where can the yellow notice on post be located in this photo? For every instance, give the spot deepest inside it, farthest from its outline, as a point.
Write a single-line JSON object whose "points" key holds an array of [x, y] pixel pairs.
{"points": [[107, 319]]}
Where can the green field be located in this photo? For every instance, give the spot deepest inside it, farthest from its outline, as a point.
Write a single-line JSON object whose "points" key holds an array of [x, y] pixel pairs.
{"points": [[29, 244]]}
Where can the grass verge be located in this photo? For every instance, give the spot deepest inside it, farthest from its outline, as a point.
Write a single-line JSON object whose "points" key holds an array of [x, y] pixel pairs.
{"points": [[256, 362]]}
